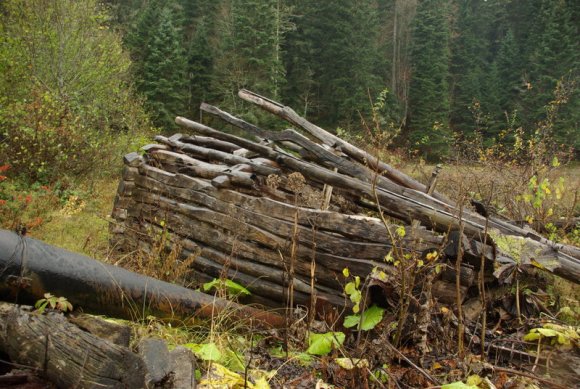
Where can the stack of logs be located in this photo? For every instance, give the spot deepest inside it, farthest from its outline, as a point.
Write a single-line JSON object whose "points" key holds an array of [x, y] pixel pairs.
{"points": [[282, 212]]}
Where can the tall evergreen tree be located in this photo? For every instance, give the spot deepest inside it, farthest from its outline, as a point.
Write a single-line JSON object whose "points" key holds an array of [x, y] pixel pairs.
{"points": [[509, 63], [250, 35], [163, 79], [428, 123], [554, 58], [332, 59], [199, 67], [471, 70]]}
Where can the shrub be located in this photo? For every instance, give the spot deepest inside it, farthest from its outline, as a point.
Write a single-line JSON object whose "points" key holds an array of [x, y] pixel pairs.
{"points": [[67, 109]]}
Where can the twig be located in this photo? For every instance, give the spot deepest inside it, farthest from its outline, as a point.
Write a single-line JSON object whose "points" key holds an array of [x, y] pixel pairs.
{"points": [[423, 372], [459, 260], [532, 376]]}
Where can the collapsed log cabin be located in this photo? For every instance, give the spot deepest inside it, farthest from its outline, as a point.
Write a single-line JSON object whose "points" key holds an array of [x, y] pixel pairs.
{"points": [[283, 213]]}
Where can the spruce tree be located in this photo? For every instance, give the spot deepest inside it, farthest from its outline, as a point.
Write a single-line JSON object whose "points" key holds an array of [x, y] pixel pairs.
{"points": [[199, 68], [470, 68], [428, 122], [333, 59], [163, 80], [555, 58], [250, 36]]}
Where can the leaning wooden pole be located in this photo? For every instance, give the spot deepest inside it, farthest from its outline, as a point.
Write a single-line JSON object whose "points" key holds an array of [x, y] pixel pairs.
{"points": [[334, 141], [32, 268]]}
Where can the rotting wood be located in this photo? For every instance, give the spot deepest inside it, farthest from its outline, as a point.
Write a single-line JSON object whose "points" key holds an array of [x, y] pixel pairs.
{"points": [[406, 204], [332, 140], [65, 354]]}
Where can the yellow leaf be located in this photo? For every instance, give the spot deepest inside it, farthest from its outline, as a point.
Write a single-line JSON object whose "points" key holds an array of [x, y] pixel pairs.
{"points": [[351, 363], [220, 377], [474, 380]]}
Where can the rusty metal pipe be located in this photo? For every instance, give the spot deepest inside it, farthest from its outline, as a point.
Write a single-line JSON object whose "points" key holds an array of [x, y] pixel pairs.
{"points": [[30, 268]]}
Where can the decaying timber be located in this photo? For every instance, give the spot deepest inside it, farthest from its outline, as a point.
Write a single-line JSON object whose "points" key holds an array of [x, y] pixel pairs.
{"points": [[239, 203], [84, 351], [65, 354]]}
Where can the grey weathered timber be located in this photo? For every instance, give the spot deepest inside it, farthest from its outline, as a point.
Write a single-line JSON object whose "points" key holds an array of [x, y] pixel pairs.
{"points": [[331, 140], [67, 355], [407, 204]]}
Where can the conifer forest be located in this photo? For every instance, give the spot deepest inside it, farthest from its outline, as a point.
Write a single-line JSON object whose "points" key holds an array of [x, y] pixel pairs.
{"points": [[443, 67]]}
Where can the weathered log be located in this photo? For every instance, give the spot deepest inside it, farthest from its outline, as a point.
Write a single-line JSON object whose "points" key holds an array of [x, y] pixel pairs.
{"points": [[180, 163], [32, 268], [216, 155], [212, 143], [279, 217], [65, 354], [118, 334], [331, 140], [288, 114]]}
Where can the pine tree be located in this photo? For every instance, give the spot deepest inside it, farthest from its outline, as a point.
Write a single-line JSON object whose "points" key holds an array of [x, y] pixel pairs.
{"points": [[332, 59], [428, 122], [301, 89], [470, 68], [509, 72], [555, 57]]}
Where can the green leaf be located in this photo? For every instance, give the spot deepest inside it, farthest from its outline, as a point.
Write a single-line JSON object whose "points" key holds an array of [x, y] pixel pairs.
{"points": [[233, 360], [345, 272], [401, 231], [547, 332], [530, 337], [474, 380], [349, 288], [371, 317], [206, 351], [303, 358], [355, 296], [232, 287], [351, 321], [322, 344]]}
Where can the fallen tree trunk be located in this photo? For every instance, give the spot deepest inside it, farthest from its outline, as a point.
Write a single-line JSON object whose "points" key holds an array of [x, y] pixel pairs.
{"points": [[33, 268], [331, 140]]}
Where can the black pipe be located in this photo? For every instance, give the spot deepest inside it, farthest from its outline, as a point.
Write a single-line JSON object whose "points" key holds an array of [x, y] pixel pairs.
{"points": [[30, 268]]}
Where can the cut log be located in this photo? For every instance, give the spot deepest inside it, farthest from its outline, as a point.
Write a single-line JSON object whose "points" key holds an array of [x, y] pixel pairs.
{"points": [[331, 140]]}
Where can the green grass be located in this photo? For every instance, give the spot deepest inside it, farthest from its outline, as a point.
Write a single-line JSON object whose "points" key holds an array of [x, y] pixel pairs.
{"points": [[82, 225]]}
